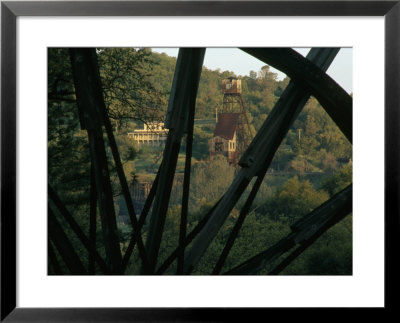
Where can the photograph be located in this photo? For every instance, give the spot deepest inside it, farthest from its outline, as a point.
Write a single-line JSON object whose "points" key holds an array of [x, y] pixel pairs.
{"points": [[190, 161], [199, 161]]}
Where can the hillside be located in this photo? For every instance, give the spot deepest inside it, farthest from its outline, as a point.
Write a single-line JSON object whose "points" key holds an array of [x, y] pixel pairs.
{"points": [[312, 163]]}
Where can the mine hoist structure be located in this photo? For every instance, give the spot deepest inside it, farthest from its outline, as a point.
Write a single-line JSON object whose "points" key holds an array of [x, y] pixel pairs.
{"points": [[232, 133], [308, 77]]}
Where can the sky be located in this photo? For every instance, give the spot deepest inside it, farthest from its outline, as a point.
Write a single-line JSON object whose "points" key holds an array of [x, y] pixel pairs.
{"points": [[241, 63]]}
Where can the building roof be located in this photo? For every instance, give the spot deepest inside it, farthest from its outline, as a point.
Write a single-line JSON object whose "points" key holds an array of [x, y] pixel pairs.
{"points": [[226, 125]]}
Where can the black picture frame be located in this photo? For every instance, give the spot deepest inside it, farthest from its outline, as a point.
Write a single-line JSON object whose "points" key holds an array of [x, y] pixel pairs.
{"points": [[10, 10]]}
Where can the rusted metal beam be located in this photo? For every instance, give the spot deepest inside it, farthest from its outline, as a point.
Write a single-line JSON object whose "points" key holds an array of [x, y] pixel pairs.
{"points": [[77, 229], [90, 106], [258, 156], [64, 246], [185, 84], [336, 101], [309, 228]]}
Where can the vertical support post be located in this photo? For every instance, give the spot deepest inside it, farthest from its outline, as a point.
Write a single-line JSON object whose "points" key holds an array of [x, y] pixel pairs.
{"points": [[124, 187], [186, 184], [92, 223], [106, 202], [90, 100], [258, 155], [184, 87]]}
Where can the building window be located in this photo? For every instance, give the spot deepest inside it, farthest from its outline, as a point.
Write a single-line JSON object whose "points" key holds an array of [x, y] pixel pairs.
{"points": [[219, 147]]}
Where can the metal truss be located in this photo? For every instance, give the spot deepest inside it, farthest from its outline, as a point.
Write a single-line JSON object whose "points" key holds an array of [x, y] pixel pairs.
{"points": [[308, 78]]}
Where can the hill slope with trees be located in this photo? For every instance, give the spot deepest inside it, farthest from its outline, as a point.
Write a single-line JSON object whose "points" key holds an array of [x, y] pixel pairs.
{"points": [[312, 163]]}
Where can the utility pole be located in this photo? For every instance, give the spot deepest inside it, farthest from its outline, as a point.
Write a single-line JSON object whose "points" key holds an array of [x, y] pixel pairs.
{"points": [[299, 135]]}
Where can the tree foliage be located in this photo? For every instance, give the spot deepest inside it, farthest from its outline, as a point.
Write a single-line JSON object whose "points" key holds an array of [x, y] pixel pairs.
{"points": [[136, 84], [128, 91]]}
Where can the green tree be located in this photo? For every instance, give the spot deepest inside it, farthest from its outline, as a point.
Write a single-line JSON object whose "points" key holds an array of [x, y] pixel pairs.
{"points": [[331, 254], [124, 77], [128, 91], [337, 182], [209, 181], [295, 199]]}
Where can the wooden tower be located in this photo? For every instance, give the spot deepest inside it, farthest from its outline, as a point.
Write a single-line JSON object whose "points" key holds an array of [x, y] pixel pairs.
{"points": [[233, 104]]}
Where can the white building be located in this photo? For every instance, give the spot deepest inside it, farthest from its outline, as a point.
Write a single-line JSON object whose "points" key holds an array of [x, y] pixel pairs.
{"points": [[153, 134]]}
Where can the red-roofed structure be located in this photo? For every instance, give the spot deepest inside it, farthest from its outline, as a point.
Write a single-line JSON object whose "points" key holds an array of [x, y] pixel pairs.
{"points": [[224, 140], [232, 133], [226, 125]]}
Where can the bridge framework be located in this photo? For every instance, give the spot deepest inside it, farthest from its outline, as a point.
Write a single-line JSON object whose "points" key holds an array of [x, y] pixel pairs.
{"points": [[308, 77]]}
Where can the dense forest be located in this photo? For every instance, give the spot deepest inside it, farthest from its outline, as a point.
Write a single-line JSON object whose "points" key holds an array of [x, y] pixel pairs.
{"points": [[313, 162]]}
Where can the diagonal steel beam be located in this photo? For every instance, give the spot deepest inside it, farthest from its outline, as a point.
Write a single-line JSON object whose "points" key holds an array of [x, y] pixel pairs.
{"points": [[309, 228], [258, 155], [184, 88], [186, 185], [142, 219], [90, 100], [125, 192], [64, 246], [336, 102], [292, 256], [124, 186], [239, 222], [92, 223], [77, 230], [189, 238], [53, 258], [105, 202]]}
